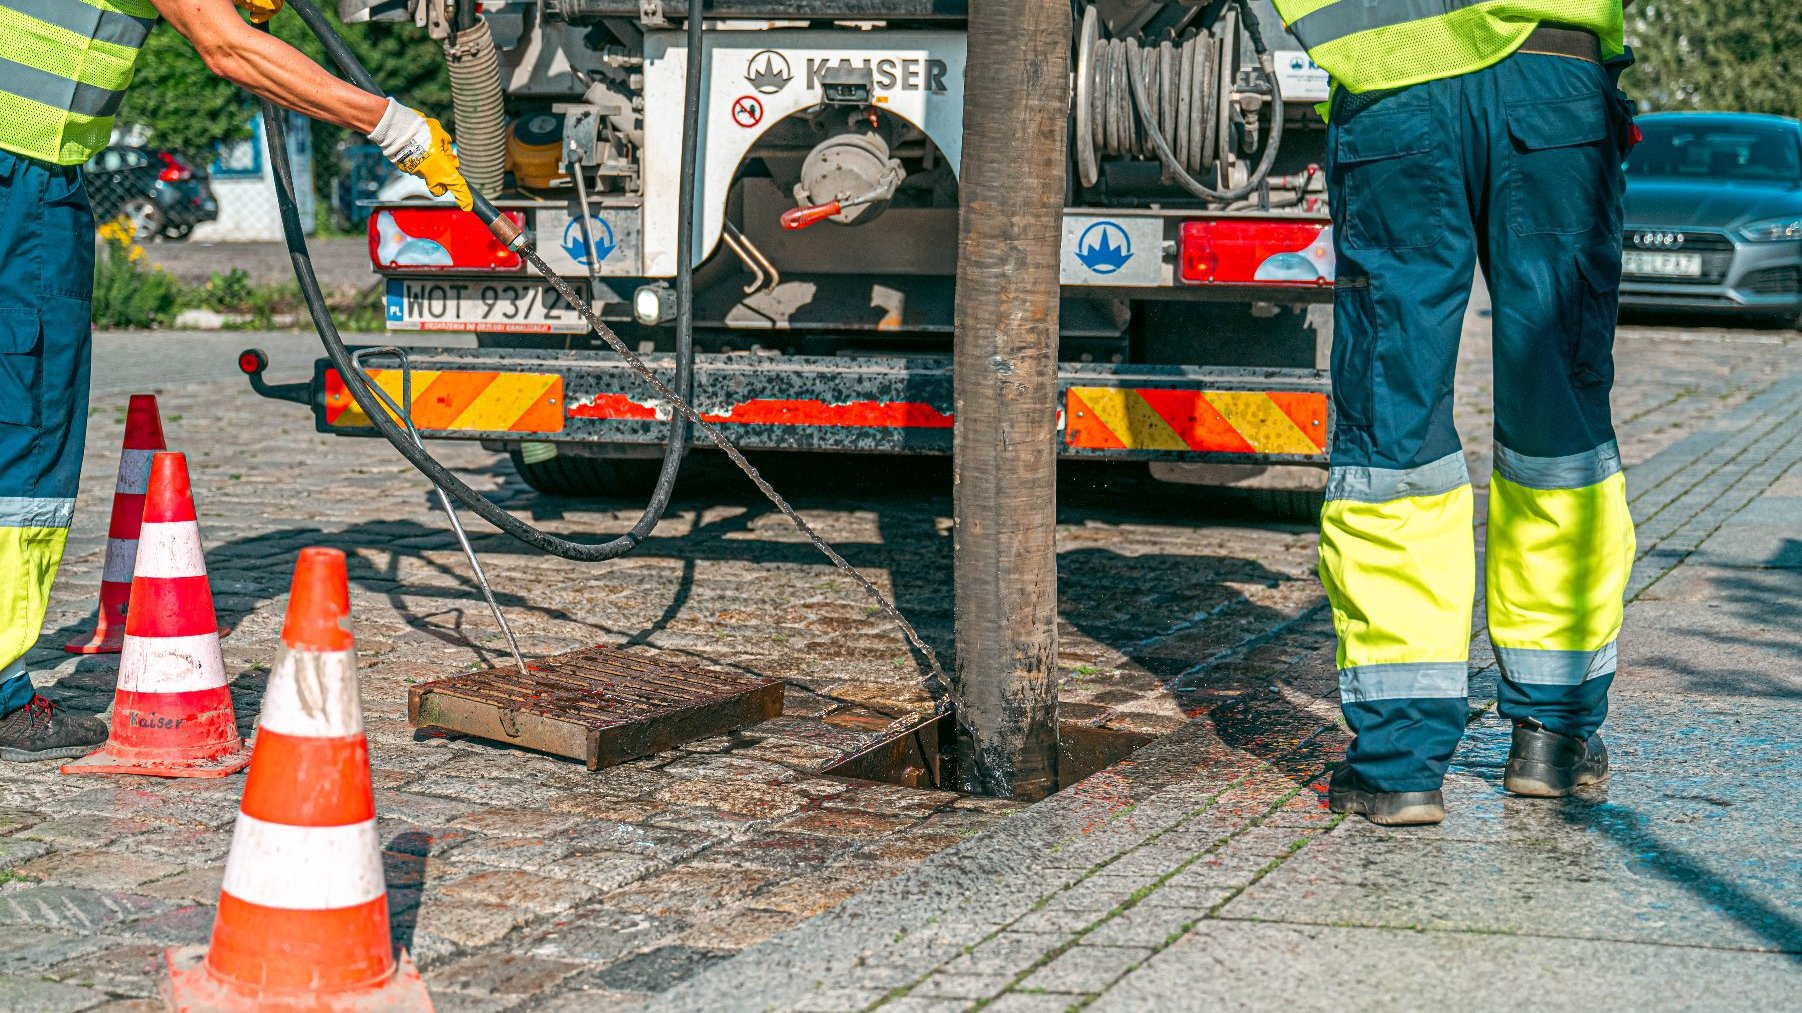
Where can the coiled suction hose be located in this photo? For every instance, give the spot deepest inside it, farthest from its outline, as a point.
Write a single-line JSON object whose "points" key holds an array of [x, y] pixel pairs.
{"points": [[1137, 72], [676, 443]]}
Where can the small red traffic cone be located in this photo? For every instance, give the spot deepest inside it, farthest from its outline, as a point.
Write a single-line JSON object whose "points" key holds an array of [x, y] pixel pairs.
{"points": [[143, 437], [172, 712], [303, 912]]}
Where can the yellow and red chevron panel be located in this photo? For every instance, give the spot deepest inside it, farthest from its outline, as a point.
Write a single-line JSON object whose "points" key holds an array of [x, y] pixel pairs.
{"points": [[1291, 423], [471, 400]]}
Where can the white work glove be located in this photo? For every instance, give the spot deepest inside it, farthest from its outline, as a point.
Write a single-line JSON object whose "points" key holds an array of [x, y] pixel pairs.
{"points": [[417, 144]]}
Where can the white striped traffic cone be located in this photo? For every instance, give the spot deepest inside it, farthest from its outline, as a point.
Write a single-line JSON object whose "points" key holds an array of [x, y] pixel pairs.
{"points": [[303, 914], [172, 711], [143, 438]]}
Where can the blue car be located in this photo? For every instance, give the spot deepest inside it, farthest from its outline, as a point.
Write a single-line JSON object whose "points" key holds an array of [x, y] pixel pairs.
{"points": [[1714, 215]]}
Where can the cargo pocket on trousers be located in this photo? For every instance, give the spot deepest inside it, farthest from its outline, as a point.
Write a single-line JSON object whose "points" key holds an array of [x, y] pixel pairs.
{"points": [[1558, 182], [1592, 340], [1390, 173], [21, 366], [67, 268]]}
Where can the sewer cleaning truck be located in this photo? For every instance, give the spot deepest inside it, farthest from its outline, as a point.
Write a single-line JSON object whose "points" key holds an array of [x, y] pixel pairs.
{"points": [[1196, 268]]}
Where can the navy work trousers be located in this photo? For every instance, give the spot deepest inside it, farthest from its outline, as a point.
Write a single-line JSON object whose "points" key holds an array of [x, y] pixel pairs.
{"points": [[46, 287], [1514, 169]]}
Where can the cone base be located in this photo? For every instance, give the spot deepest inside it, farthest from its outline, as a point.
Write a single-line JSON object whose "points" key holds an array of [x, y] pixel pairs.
{"points": [[110, 642], [187, 988], [103, 762]]}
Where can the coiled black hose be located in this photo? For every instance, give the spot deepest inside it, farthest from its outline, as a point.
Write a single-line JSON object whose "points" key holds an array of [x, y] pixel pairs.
{"points": [[1173, 165], [682, 409], [676, 443]]}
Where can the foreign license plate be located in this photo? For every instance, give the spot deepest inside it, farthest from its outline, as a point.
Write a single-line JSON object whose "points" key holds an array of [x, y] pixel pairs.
{"points": [[1670, 265], [514, 304]]}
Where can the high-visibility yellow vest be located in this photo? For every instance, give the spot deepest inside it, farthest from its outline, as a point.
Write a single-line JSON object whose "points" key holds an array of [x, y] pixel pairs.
{"points": [[64, 66], [1369, 45]]}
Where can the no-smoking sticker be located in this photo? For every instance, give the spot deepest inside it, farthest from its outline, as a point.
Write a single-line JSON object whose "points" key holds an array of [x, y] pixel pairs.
{"points": [[747, 111]]}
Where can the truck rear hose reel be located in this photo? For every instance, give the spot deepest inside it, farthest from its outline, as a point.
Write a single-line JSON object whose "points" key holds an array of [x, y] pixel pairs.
{"points": [[1168, 100], [679, 396]]}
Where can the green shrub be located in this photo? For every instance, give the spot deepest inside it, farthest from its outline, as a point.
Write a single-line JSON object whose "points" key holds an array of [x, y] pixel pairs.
{"points": [[126, 292]]}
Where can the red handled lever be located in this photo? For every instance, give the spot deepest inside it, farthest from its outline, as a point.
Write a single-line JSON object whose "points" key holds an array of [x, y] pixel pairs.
{"points": [[795, 219]]}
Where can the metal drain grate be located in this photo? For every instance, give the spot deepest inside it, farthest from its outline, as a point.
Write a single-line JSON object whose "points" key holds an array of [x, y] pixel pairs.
{"points": [[596, 705]]}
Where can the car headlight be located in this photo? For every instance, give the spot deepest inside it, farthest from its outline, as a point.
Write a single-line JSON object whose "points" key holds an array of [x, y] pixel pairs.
{"points": [[1773, 230]]}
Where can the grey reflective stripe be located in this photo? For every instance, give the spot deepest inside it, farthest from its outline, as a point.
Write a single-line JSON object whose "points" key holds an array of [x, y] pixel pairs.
{"points": [[56, 91], [1380, 485], [1573, 471], [1557, 668], [1349, 17], [86, 20], [35, 512], [1409, 680]]}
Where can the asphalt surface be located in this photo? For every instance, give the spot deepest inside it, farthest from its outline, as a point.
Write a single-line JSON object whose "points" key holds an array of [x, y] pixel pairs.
{"points": [[525, 882]]}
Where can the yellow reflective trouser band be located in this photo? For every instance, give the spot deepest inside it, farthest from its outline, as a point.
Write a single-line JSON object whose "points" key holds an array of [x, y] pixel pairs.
{"points": [[1561, 548], [29, 556], [1397, 559]]}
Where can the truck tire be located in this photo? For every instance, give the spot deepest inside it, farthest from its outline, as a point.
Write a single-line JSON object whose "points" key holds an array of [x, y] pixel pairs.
{"points": [[588, 477], [1298, 505]]}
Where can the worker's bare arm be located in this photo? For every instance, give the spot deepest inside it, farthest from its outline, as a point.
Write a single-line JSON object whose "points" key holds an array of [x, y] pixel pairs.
{"points": [[267, 66]]}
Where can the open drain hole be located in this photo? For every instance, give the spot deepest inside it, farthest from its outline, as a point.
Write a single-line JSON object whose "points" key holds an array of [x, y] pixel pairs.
{"points": [[925, 757]]}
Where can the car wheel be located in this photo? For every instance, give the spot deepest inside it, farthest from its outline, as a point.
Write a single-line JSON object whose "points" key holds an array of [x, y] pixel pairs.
{"points": [[178, 232], [147, 219]]}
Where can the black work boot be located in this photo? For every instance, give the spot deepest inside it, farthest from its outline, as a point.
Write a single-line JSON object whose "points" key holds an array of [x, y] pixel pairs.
{"points": [[1347, 793], [42, 731], [1545, 764]]}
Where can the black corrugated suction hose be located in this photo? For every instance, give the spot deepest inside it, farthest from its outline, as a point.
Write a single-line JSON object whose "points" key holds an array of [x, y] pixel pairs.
{"points": [[676, 443]]}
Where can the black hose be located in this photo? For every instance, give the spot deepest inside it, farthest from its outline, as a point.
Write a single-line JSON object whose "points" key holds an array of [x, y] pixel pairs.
{"points": [[1142, 106], [676, 443]]}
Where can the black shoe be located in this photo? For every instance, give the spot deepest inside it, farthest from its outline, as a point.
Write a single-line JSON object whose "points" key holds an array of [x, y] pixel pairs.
{"points": [[41, 731], [1544, 764], [1347, 793]]}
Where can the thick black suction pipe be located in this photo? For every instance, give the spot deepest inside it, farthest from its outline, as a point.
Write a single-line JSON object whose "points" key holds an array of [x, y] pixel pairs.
{"points": [[681, 402], [676, 443]]}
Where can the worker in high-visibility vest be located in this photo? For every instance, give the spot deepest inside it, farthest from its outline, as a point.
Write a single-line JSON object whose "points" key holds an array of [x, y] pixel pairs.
{"points": [[1466, 135], [64, 67]]}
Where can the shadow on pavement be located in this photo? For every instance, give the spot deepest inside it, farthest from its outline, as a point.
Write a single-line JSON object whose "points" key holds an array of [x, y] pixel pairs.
{"points": [[1652, 852]]}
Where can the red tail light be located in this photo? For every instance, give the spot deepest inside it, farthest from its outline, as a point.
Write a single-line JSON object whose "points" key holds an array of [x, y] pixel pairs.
{"points": [[1244, 251], [437, 238], [174, 169]]}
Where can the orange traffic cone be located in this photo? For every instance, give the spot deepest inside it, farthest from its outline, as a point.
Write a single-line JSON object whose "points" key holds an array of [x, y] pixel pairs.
{"points": [[172, 712], [143, 437], [303, 913]]}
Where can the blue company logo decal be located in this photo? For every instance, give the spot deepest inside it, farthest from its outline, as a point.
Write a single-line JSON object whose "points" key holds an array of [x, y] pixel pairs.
{"points": [[1104, 247], [576, 245]]}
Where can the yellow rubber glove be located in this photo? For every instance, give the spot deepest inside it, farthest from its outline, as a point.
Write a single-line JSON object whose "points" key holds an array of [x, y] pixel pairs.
{"points": [[438, 166], [259, 11], [418, 145]]}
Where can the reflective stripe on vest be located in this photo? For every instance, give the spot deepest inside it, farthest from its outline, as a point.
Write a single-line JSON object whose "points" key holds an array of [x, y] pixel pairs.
{"points": [[1368, 45], [64, 68]]}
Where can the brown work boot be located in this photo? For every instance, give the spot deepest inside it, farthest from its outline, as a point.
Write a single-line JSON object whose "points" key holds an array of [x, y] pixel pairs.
{"points": [[1348, 793], [41, 730], [1546, 764]]}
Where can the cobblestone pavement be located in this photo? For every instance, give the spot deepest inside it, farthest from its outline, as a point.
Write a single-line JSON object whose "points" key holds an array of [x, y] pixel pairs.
{"points": [[524, 882], [1206, 873]]}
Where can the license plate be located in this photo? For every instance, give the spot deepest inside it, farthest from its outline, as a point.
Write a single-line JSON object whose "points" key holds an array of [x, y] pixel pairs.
{"points": [[1671, 265], [435, 304]]}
